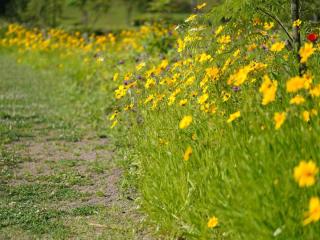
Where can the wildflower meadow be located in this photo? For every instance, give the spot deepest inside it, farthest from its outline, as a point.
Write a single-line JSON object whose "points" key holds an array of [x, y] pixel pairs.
{"points": [[214, 120]]}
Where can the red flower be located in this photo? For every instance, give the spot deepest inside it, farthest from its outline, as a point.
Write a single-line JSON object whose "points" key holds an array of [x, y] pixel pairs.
{"points": [[312, 37]]}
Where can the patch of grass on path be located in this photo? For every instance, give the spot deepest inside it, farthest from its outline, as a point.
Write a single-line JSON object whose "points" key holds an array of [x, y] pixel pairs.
{"points": [[58, 178]]}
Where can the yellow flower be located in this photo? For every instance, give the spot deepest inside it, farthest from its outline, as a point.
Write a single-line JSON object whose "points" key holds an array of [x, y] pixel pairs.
{"points": [[297, 23], [120, 92], [268, 89], [213, 222], [183, 102], [234, 116], [314, 112], [278, 46], [239, 77], [305, 173], [185, 122], [315, 91], [313, 215], [279, 119], [225, 96], [194, 136], [306, 51], [115, 76], [128, 107], [252, 47], [115, 122], [306, 116], [297, 100], [181, 45], [224, 39], [203, 99], [150, 83], [149, 99], [140, 66], [212, 72], [191, 18], [267, 26], [114, 115], [200, 6], [187, 153], [204, 58], [296, 83], [219, 30], [190, 80]]}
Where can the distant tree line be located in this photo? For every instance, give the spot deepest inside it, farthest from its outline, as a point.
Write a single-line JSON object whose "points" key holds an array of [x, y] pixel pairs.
{"points": [[48, 12]]}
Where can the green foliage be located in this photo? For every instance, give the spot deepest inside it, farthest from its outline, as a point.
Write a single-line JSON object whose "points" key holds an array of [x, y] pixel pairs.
{"points": [[88, 7]]}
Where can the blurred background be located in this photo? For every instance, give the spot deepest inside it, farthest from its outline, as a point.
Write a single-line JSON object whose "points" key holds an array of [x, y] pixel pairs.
{"points": [[113, 15], [97, 15]]}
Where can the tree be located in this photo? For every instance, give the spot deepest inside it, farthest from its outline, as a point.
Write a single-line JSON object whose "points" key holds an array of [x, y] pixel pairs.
{"points": [[43, 12], [98, 7]]}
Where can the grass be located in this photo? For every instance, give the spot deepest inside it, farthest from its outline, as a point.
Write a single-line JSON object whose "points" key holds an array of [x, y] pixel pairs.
{"points": [[59, 198]]}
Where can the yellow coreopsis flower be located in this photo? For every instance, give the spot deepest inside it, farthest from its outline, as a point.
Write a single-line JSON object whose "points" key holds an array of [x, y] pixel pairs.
{"points": [[190, 80], [296, 83], [150, 83], [305, 173], [268, 89], [306, 51], [315, 91], [224, 39], [120, 92], [305, 116], [149, 99], [185, 122], [297, 23], [115, 77], [183, 102], [219, 30], [128, 107], [212, 72], [297, 100], [278, 46], [234, 116], [203, 99], [200, 6], [114, 123], [187, 153], [225, 96], [191, 18], [113, 115], [268, 26], [313, 215], [181, 45], [140, 66], [279, 119], [213, 222]]}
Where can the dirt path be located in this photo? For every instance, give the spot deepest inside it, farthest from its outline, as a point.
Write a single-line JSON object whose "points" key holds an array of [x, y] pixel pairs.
{"points": [[57, 181]]}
